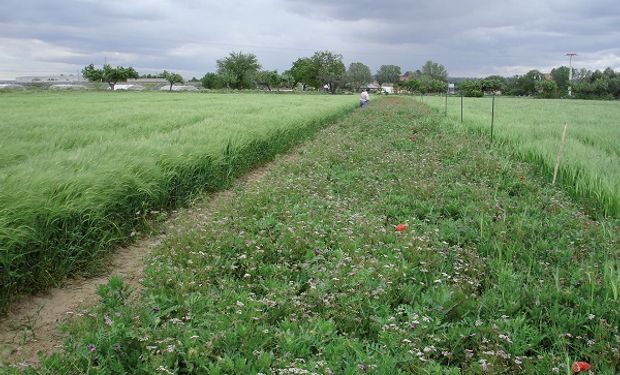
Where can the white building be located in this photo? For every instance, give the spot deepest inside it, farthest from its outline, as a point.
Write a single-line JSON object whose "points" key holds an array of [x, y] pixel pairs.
{"points": [[62, 78]]}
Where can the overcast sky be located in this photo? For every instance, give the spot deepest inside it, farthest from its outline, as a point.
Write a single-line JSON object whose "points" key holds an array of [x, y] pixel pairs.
{"points": [[469, 37]]}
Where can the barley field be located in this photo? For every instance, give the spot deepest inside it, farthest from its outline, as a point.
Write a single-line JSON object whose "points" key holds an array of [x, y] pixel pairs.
{"points": [[590, 165], [81, 171]]}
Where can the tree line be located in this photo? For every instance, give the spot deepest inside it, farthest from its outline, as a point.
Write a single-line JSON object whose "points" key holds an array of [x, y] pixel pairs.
{"points": [[323, 70], [585, 84]]}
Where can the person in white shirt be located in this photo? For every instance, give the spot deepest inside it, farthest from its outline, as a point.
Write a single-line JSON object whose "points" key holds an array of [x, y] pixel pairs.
{"points": [[364, 99]]}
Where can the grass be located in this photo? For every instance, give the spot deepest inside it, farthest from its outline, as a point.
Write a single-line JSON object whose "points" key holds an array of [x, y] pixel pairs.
{"points": [[81, 171], [301, 271], [590, 166]]}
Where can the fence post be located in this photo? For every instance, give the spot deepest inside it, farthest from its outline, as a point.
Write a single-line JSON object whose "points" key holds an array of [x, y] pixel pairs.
{"points": [[461, 107], [557, 162], [446, 108], [492, 116]]}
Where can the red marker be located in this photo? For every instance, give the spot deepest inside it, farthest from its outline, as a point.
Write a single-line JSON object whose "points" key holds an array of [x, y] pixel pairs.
{"points": [[400, 227], [579, 366]]}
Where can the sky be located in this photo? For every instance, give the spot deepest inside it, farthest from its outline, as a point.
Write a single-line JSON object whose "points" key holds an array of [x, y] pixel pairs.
{"points": [[471, 38]]}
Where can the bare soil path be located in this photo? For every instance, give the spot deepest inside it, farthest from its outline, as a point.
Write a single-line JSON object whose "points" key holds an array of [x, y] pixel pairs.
{"points": [[31, 323]]}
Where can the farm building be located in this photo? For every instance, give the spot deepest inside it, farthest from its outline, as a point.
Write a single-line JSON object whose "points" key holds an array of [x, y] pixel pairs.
{"points": [[179, 88], [118, 87], [62, 78]]}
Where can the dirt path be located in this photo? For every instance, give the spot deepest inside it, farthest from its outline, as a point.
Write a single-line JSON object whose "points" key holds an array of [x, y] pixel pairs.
{"points": [[31, 323]]}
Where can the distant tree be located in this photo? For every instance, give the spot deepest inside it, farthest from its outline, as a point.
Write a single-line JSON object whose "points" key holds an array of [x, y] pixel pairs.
{"points": [[596, 88], [560, 76], [238, 69], [212, 81], [511, 87], [172, 78], [357, 75], [330, 69], [388, 74], [424, 85], [268, 78], [435, 70], [92, 74], [493, 84], [581, 74], [470, 87], [109, 74], [432, 85], [305, 72], [287, 80], [614, 86], [546, 88], [527, 82]]}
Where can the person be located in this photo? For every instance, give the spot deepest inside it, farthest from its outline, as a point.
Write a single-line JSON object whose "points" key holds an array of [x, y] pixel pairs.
{"points": [[364, 98]]}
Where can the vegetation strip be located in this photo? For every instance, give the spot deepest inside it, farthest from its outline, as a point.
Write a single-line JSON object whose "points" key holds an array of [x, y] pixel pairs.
{"points": [[76, 184], [394, 242]]}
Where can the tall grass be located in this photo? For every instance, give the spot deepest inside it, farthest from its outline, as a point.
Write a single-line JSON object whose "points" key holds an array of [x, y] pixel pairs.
{"points": [[591, 160], [80, 171]]}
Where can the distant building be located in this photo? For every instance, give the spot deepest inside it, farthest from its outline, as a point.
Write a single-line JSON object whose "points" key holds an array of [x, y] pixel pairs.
{"points": [[118, 87], [450, 88], [371, 87], [179, 88], [62, 78], [147, 80], [387, 88]]}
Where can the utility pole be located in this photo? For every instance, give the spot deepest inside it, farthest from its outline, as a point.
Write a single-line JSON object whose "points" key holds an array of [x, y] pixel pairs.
{"points": [[570, 71]]}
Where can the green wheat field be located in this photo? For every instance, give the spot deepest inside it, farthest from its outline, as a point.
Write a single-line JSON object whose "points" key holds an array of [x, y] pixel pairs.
{"points": [[590, 165], [80, 171]]}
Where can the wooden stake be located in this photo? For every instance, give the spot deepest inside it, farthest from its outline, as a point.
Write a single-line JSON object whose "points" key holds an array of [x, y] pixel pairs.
{"points": [[557, 162], [492, 116], [461, 107]]}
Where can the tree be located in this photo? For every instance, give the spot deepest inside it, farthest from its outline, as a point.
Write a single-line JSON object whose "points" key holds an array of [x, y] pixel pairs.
{"points": [[268, 78], [238, 69], [424, 85], [92, 74], [470, 87], [388, 74], [560, 76], [493, 84], [287, 80], [172, 78], [527, 83], [357, 75], [305, 72], [546, 88], [109, 74], [329, 69], [212, 81], [435, 70], [429, 84]]}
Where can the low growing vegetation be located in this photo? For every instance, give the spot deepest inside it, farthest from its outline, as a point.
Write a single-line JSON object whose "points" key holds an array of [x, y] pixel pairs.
{"points": [[302, 270]]}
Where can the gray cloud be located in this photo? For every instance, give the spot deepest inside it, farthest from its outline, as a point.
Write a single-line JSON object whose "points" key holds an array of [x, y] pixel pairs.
{"points": [[475, 37]]}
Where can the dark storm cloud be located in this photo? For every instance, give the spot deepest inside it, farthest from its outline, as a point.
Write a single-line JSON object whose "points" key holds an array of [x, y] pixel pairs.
{"points": [[472, 37]]}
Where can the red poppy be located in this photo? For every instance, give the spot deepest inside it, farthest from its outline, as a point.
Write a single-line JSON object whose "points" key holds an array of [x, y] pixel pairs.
{"points": [[579, 366], [400, 227]]}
